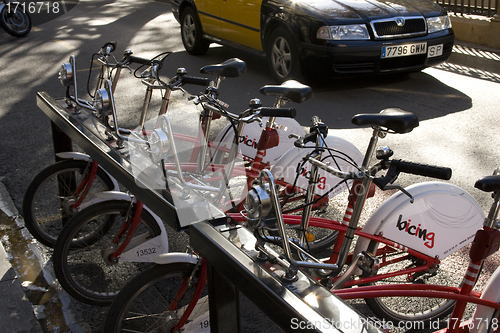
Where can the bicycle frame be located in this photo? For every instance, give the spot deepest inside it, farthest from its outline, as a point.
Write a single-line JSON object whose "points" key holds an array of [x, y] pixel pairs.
{"points": [[370, 239]]}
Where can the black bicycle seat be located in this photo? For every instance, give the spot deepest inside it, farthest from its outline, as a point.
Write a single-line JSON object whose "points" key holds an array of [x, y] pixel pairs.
{"points": [[233, 67], [488, 183], [291, 89], [394, 119]]}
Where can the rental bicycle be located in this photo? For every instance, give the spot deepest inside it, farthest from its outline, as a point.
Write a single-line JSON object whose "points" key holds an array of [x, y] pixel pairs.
{"points": [[161, 284]]}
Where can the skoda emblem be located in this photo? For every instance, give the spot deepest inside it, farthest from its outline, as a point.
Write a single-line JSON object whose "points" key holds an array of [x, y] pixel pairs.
{"points": [[400, 21]]}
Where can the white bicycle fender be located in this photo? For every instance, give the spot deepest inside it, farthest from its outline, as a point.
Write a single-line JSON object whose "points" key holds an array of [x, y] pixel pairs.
{"points": [[142, 249], [67, 155], [71, 155], [482, 316], [251, 135], [105, 196], [286, 167], [175, 257], [425, 225]]}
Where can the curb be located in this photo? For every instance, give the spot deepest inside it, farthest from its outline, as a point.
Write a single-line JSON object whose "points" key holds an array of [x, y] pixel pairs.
{"points": [[16, 311], [475, 56]]}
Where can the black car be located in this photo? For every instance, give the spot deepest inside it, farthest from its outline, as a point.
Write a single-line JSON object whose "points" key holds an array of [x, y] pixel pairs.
{"points": [[328, 37]]}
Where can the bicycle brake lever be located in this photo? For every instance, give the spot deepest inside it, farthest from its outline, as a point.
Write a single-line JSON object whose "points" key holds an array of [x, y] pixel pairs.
{"points": [[398, 187]]}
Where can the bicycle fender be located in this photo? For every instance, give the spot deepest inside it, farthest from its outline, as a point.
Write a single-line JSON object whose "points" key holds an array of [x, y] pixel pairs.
{"points": [[251, 134], [286, 167], [175, 257], [139, 250], [67, 155], [439, 211], [482, 316], [106, 196]]}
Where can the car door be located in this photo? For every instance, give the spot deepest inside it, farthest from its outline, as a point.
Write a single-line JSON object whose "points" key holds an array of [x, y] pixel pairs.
{"points": [[208, 12], [240, 22]]}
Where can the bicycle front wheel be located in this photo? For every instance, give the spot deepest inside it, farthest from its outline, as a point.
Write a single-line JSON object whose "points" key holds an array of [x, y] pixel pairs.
{"points": [[156, 299], [83, 267], [48, 199]]}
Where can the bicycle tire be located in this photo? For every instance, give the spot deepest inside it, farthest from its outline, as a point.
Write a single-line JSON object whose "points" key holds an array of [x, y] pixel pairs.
{"points": [[16, 24], [421, 310], [493, 326], [150, 293], [45, 211], [323, 238], [85, 272]]}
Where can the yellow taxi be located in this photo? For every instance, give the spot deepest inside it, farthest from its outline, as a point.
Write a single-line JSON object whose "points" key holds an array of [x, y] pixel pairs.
{"points": [[322, 37]]}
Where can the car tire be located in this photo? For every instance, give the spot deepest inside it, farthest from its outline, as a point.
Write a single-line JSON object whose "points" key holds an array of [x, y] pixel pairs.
{"points": [[283, 57], [191, 33]]}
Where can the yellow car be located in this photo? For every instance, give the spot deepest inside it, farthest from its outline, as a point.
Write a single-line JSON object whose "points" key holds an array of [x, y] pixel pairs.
{"points": [[322, 37]]}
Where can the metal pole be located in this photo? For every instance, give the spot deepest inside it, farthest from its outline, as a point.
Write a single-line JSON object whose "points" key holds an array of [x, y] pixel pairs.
{"points": [[496, 17]]}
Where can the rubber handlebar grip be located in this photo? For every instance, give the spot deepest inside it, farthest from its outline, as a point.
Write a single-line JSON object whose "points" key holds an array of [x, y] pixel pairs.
{"points": [[423, 169], [201, 81], [139, 60], [277, 112]]}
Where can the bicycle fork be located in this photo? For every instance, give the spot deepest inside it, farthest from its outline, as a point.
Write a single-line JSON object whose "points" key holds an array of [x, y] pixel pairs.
{"points": [[200, 285], [130, 228]]}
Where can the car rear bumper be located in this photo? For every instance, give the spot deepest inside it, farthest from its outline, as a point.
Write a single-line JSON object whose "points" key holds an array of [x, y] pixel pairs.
{"points": [[346, 58]]}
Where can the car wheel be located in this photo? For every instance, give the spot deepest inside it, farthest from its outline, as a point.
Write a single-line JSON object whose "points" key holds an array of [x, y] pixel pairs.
{"points": [[191, 33], [283, 57]]}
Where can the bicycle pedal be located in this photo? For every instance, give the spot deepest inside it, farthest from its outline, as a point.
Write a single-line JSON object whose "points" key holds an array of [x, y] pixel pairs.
{"points": [[368, 263]]}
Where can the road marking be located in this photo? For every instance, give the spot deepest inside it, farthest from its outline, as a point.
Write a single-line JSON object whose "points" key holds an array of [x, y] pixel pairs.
{"points": [[65, 44]]}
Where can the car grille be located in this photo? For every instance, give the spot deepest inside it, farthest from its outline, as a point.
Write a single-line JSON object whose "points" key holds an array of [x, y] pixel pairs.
{"points": [[402, 62], [397, 27]]}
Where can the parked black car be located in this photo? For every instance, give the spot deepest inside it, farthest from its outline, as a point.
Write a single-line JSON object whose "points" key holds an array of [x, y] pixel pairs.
{"points": [[332, 37]]}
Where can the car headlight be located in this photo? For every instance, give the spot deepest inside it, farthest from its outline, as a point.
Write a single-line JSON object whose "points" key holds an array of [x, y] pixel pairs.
{"points": [[343, 32], [102, 102], [435, 24], [66, 74], [258, 205], [159, 144]]}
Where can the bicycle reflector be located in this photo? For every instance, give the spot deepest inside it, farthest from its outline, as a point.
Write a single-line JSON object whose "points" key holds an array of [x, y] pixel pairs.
{"points": [[102, 102], [258, 206], [66, 74]]}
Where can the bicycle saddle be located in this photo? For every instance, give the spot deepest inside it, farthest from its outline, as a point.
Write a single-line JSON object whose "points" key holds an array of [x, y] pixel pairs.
{"points": [[291, 89], [488, 183], [393, 119], [233, 67]]}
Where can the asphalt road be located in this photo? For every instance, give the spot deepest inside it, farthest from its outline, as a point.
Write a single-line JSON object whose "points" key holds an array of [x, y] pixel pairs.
{"points": [[458, 110]]}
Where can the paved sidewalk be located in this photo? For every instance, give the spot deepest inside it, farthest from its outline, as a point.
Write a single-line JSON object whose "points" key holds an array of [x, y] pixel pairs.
{"points": [[476, 56]]}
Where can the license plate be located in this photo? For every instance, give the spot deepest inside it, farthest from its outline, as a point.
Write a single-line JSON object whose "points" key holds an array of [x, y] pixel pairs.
{"points": [[404, 50], [435, 51]]}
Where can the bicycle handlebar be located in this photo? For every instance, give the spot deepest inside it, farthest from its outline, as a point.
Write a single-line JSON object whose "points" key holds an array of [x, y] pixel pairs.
{"points": [[300, 142], [138, 60], [277, 112], [200, 81], [317, 127], [419, 169], [107, 48]]}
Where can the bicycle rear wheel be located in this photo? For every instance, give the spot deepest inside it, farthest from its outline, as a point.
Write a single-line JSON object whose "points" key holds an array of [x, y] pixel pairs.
{"points": [[154, 301], [86, 271], [48, 199], [420, 310]]}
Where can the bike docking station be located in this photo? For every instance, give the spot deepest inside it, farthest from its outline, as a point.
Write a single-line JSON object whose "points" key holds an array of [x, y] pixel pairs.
{"points": [[293, 301]]}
